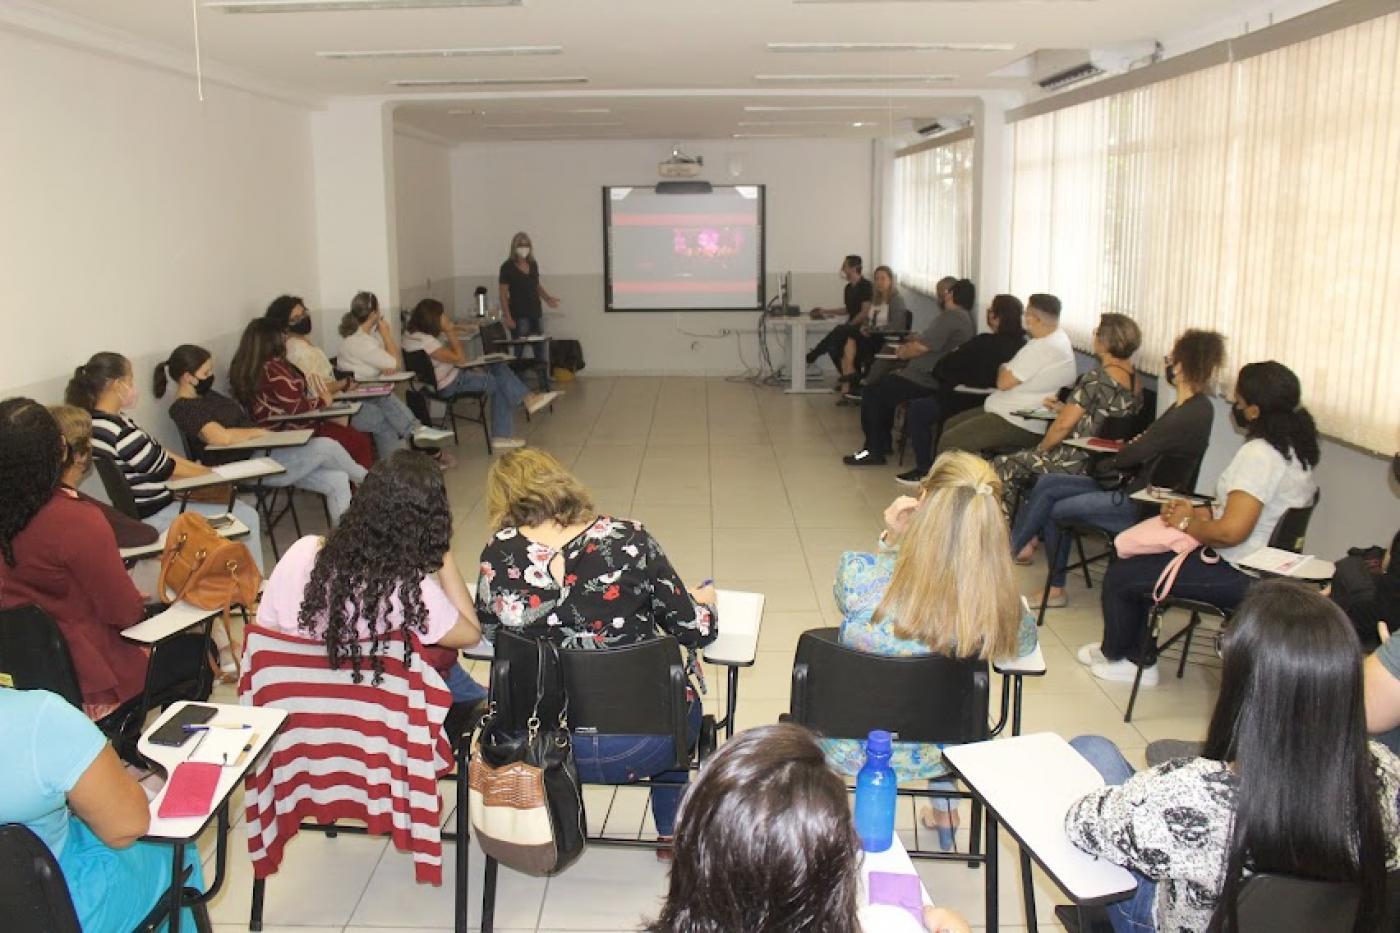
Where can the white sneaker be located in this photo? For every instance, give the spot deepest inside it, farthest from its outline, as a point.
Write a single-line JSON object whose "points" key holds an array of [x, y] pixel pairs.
{"points": [[542, 400], [1090, 654], [1124, 672], [507, 443], [426, 435]]}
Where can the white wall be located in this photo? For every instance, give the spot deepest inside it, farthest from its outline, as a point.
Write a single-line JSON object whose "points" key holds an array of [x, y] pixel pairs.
{"points": [[137, 218], [819, 208], [423, 208]]}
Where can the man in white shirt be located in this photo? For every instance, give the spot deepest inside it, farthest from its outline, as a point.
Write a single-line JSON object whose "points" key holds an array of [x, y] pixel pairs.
{"points": [[1037, 372]]}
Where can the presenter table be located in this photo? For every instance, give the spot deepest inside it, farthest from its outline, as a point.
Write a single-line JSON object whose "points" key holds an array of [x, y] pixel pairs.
{"points": [[1028, 784], [263, 723], [797, 328]]}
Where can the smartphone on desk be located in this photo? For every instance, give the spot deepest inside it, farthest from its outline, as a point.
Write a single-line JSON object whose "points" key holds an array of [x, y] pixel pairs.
{"points": [[220, 521], [172, 734]]}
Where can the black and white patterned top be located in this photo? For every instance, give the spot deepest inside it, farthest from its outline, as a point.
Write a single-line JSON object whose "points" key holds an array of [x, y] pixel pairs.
{"points": [[1172, 824]]}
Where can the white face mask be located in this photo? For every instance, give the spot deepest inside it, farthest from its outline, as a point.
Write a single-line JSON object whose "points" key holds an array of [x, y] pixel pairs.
{"points": [[522, 251]]}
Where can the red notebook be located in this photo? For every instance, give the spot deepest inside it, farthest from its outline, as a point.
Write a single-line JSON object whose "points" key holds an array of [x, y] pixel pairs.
{"points": [[190, 791], [1099, 443]]}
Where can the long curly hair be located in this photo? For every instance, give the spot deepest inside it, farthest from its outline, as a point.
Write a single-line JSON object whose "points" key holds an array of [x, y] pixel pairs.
{"points": [[31, 461], [396, 531]]}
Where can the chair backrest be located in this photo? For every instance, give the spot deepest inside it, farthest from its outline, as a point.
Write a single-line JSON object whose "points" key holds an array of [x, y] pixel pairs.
{"points": [[629, 690], [34, 655], [1291, 532], [1119, 427], [34, 896], [1177, 472], [492, 333], [1285, 904], [115, 484], [421, 365], [844, 693]]}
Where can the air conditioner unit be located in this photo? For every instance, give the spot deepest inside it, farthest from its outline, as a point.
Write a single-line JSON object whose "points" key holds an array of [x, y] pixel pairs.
{"points": [[943, 125], [1056, 69]]}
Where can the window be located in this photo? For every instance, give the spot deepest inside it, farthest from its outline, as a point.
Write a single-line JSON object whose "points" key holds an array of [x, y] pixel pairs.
{"points": [[933, 213], [1259, 197]]}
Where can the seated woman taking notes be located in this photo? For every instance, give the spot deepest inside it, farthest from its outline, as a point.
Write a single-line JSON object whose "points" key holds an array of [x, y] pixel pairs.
{"points": [[556, 569], [940, 583]]}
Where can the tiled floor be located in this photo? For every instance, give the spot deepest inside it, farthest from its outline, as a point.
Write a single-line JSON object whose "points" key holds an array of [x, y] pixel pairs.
{"points": [[746, 485]]}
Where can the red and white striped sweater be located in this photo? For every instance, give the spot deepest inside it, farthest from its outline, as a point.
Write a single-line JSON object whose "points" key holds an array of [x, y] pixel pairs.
{"points": [[349, 751]]}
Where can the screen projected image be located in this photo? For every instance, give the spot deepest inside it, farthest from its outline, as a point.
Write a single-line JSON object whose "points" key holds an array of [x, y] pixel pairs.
{"points": [[686, 252]]}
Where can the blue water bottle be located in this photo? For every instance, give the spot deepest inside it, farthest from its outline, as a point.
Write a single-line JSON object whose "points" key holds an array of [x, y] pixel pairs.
{"points": [[876, 787]]}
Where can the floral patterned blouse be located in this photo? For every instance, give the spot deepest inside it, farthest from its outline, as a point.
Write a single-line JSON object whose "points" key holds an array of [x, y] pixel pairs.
{"points": [[861, 581], [618, 589], [1101, 397]]}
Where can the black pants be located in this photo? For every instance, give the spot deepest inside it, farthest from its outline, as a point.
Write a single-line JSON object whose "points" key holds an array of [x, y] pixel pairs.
{"points": [[877, 410], [1127, 596], [923, 422], [834, 344]]}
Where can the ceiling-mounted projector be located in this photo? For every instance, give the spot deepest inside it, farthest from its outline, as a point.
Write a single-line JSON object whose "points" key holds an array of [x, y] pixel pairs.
{"points": [[680, 165]]}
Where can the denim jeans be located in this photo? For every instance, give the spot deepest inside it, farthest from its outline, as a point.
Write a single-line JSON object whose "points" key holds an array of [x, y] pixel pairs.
{"points": [[463, 686], [242, 511], [320, 465], [1063, 497], [1133, 915], [386, 419], [623, 759], [504, 387], [525, 327], [1127, 596]]}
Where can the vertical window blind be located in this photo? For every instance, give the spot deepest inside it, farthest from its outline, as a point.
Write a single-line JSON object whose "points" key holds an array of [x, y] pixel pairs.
{"points": [[933, 214], [1259, 197]]}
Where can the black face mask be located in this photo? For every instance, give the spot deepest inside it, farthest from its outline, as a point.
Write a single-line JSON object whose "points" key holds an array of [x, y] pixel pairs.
{"points": [[1170, 373], [301, 327], [1238, 415], [203, 386]]}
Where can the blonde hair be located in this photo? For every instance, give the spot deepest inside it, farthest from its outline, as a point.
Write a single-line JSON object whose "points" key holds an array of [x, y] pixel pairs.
{"points": [[75, 425], [529, 487], [953, 587], [521, 239]]}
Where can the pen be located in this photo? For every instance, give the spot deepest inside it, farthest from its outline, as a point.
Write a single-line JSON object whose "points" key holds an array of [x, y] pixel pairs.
{"points": [[205, 727], [704, 583]]}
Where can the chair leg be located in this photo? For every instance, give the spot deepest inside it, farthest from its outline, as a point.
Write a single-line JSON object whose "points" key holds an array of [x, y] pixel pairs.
{"points": [[201, 918], [1083, 561], [292, 508], [485, 424], [326, 507], [488, 896], [1045, 594], [974, 839], [1186, 644], [255, 917]]}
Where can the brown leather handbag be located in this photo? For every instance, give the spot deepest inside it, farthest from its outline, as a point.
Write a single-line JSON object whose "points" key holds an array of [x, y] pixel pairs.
{"points": [[205, 570]]}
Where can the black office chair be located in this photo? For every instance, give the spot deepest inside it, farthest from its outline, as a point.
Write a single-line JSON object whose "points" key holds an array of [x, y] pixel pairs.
{"points": [[115, 485], [1289, 535], [1175, 472], [1285, 904], [34, 895], [494, 337], [425, 384], [34, 656], [637, 689]]}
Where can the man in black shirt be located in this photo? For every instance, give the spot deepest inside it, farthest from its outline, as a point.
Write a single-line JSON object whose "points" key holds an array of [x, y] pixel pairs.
{"points": [[858, 295]]}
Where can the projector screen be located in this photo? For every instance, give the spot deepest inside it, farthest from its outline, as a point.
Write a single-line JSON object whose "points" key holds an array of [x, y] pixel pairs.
{"points": [[683, 252]]}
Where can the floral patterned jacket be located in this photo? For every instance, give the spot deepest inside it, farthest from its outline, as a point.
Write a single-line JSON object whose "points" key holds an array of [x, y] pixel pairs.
{"points": [[618, 589]]}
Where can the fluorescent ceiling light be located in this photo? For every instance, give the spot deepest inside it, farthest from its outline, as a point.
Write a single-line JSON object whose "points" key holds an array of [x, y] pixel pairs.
{"points": [[547, 126], [343, 6], [768, 136], [812, 108], [891, 46], [485, 50], [929, 1], [804, 123], [856, 79], [480, 82]]}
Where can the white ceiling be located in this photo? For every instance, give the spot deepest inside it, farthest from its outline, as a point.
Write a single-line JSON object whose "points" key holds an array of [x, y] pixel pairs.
{"points": [[670, 69]]}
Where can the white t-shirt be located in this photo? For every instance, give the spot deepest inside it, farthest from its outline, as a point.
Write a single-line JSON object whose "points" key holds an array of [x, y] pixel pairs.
{"points": [[1260, 470], [364, 356], [445, 372], [879, 316], [1044, 365]]}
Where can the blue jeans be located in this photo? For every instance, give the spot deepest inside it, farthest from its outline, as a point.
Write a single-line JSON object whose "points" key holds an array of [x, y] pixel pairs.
{"points": [[1064, 497], [463, 686], [387, 420], [623, 759], [242, 511], [1133, 915], [504, 387], [525, 327], [320, 465]]}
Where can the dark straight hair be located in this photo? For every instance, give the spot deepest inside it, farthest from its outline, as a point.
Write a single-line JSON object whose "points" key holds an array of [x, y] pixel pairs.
{"points": [[765, 842], [263, 339], [186, 358], [1007, 309], [1283, 421], [1291, 719], [964, 294], [426, 317], [90, 379]]}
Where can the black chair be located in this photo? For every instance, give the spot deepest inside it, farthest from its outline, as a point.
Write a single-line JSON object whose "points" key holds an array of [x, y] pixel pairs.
{"points": [[844, 693], [495, 339], [1175, 472], [1289, 534], [425, 384], [1285, 904], [115, 485], [34, 656], [34, 895], [637, 689]]}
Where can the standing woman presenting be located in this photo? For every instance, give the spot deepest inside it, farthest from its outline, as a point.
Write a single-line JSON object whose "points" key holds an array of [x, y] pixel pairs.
{"points": [[521, 291]]}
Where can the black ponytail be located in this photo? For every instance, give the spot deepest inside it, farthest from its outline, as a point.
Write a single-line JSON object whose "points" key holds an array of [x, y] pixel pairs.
{"points": [[186, 358], [1283, 421], [91, 379]]}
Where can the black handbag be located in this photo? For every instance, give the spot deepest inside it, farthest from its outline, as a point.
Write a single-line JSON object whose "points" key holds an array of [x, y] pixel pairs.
{"points": [[525, 801]]}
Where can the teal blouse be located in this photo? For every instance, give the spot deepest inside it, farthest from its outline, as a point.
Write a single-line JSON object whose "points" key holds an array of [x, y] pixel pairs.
{"points": [[861, 581]]}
